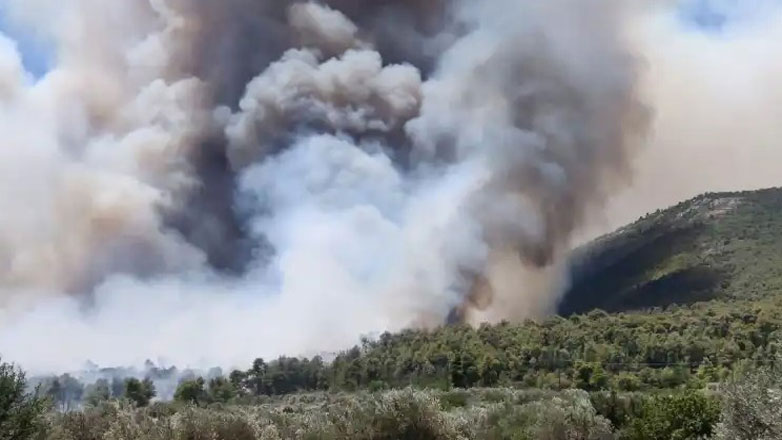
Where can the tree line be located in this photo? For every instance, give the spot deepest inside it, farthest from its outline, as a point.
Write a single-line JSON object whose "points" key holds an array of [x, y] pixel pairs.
{"points": [[687, 346], [681, 347]]}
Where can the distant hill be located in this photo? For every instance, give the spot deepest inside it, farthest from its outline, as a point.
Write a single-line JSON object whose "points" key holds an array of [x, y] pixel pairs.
{"points": [[726, 245]]}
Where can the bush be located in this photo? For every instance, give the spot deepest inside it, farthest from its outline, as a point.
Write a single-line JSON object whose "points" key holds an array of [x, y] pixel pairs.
{"points": [[682, 416], [21, 414], [570, 416], [97, 393], [199, 424], [410, 415], [191, 391], [752, 406], [454, 399], [618, 408], [90, 424], [139, 392]]}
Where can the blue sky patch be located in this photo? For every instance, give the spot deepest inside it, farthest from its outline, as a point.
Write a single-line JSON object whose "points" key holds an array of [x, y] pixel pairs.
{"points": [[34, 51], [718, 16]]}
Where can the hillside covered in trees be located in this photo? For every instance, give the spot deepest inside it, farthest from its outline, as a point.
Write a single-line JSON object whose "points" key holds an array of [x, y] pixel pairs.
{"points": [[716, 246]]}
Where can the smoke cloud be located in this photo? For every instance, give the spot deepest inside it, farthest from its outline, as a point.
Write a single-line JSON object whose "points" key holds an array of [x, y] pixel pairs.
{"points": [[716, 98], [203, 183]]}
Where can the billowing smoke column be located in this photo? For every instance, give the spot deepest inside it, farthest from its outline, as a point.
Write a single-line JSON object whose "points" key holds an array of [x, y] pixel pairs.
{"points": [[207, 182]]}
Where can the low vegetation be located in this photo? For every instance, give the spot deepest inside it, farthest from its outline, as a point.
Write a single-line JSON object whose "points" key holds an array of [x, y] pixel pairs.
{"points": [[490, 414], [480, 414]]}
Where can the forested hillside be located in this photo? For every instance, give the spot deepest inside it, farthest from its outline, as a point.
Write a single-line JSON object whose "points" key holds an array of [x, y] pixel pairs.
{"points": [[724, 246]]}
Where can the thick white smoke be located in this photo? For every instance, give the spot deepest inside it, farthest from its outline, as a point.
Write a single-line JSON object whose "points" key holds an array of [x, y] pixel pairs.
{"points": [[207, 182]]}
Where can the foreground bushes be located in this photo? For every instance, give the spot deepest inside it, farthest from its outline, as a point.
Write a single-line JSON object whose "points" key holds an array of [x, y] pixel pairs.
{"points": [[750, 410], [746, 409], [569, 416], [688, 415], [497, 414], [21, 413], [752, 406]]}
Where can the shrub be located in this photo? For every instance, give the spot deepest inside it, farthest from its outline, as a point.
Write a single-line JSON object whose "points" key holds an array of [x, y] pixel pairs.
{"points": [[191, 391], [139, 392], [21, 413], [454, 399], [682, 416], [570, 416], [752, 406], [411, 415], [198, 424]]}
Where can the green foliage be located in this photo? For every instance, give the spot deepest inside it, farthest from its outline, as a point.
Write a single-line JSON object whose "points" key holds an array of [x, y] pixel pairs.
{"points": [[682, 347], [192, 391], [455, 399], [627, 382], [725, 246], [198, 392], [197, 424], [590, 376], [405, 415], [221, 390], [97, 393], [619, 409], [568, 416], [139, 392], [21, 413], [682, 416], [392, 415]]}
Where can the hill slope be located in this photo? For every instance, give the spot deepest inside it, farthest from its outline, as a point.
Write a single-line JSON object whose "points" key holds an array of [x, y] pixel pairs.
{"points": [[726, 245]]}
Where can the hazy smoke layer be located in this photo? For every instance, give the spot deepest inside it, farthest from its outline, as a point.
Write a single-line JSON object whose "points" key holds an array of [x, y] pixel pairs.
{"points": [[717, 97], [206, 182]]}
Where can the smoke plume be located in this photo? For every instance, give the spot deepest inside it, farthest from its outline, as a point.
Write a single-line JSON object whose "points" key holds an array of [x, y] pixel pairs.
{"points": [[716, 99], [202, 183]]}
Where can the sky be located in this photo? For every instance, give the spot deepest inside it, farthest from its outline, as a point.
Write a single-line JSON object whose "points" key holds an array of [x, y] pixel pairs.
{"points": [[35, 55], [716, 17], [720, 17]]}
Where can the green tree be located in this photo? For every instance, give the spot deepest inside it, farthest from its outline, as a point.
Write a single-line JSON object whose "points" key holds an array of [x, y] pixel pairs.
{"points": [[627, 382], [140, 392], [684, 416], [591, 376], [21, 413], [464, 373], [97, 393], [221, 390], [191, 391]]}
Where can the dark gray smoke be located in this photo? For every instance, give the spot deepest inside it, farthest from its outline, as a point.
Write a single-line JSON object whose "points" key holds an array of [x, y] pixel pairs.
{"points": [[298, 173]]}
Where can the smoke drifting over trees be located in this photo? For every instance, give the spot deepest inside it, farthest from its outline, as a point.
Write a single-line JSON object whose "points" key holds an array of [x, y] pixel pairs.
{"points": [[213, 181]]}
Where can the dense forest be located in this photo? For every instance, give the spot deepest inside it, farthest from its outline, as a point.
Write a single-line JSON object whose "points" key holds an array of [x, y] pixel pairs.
{"points": [[680, 347]]}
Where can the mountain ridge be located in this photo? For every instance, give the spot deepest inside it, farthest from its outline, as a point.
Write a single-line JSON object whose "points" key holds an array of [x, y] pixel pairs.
{"points": [[717, 245]]}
